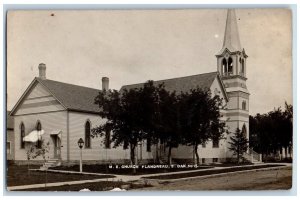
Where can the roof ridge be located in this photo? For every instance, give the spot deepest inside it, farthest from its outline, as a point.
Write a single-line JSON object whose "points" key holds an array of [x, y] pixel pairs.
{"points": [[174, 78], [66, 83]]}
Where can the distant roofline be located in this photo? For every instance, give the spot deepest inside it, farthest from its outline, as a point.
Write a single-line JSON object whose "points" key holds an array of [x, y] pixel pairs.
{"points": [[172, 78]]}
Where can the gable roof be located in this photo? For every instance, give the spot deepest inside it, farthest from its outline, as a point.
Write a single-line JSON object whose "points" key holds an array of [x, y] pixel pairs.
{"points": [[185, 84], [72, 97]]}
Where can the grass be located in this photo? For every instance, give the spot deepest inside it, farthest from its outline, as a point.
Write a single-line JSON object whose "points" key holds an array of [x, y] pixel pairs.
{"points": [[96, 186], [125, 171], [209, 172], [19, 175]]}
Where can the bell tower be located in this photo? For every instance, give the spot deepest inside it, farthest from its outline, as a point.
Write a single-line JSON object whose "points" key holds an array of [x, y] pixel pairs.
{"points": [[231, 64]]}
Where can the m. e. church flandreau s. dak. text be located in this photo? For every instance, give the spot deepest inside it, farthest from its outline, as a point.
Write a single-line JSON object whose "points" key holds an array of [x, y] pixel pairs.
{"points": [[63, 113]]}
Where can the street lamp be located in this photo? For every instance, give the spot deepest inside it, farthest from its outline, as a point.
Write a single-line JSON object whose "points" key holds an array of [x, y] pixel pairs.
{"points": [[80, 144]]}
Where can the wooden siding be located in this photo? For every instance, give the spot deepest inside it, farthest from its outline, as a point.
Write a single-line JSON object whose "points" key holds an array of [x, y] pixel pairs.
{"points": [[185, 152], [49, 121], [97, 150], [37, 101], [10, 138]]}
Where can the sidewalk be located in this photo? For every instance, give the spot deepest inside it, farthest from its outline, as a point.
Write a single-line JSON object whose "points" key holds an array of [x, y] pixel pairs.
{"points": [[130, 178]]}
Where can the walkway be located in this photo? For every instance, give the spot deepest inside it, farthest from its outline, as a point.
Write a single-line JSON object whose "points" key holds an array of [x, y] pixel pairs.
{"points": [[133, 178]]}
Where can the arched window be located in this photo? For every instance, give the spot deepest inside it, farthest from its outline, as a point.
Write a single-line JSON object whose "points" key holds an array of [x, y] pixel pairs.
{"points": [[39, 128], [243, 67], [244, 105], [87, 134], [22, 128], [107, 139], [244, 131], [230, 66], [224, 66]]}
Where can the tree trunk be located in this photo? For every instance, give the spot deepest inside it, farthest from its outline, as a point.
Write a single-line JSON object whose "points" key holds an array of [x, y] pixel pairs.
{"points": [[157, 157], [132, 157], [197, 155], [238, 154], [169, 155]]}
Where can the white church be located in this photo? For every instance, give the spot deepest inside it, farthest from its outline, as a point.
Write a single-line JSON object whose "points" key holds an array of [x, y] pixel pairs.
{"points": [[61, 113]]}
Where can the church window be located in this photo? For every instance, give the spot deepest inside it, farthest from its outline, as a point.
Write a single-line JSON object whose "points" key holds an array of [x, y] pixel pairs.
{"points": [[87, 134], [224, 67], [148, 145], [244, 105], [125, 145], [243, 67], [22, 127], [107, 139], [203, 145], [215, 143], [230, 66], [244, 131], [39, 128]]}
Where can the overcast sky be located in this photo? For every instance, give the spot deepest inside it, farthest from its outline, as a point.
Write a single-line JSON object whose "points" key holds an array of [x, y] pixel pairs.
{"points": [[80, 47]]}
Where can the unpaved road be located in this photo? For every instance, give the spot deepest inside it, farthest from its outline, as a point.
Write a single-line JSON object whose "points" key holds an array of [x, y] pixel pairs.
{"points": [[272, 179]]}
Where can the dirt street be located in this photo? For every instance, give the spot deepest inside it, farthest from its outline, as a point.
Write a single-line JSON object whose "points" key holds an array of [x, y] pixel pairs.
{"points": [[259, 180]]}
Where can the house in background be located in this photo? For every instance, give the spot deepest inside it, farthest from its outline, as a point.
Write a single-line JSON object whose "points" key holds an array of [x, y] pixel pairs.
{"points": [[66, 112], [10, 137]]}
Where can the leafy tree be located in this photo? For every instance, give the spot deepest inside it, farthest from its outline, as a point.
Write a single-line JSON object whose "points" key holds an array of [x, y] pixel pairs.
{"points": [[130, 115], [168, 129], [200, 118], [272, 131], [238, 144]]}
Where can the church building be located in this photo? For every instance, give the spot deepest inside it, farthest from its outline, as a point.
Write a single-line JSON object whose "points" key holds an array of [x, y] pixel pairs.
{"points": [[61, 113]]}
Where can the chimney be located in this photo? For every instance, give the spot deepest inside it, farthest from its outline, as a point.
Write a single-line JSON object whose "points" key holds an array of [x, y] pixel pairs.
{"points": [[42, 71], [105, 81]]}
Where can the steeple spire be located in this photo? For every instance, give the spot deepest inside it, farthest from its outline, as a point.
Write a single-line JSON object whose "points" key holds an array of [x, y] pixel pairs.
{"points": [[231, 35]]}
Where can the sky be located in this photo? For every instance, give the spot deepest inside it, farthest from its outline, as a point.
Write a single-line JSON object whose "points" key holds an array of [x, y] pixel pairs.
{"points": [[133, 46]]}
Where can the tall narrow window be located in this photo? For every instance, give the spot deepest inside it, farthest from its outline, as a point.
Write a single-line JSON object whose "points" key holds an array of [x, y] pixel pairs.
{"points": [[215, 143], [148, 145], [22, 127], [39, 128], [244, 105], [243, 68], [107, 139], [230, 66], [244, 131], [125, 145], [87, 134], [224, 67]]}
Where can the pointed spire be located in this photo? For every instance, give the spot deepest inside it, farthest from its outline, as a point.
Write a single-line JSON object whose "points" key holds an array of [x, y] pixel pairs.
{"points": [[231, 35]]}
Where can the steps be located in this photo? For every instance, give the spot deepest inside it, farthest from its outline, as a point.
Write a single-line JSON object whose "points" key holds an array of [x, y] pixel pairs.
{"points": [[253, 157], [50, 163]]}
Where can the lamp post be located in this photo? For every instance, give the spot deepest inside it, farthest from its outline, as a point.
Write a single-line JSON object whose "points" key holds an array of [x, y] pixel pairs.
{"points": [[80, 144]]}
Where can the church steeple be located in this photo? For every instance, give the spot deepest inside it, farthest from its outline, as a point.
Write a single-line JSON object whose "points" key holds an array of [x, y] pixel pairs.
{"points": [[231, 35], [232, 57]]}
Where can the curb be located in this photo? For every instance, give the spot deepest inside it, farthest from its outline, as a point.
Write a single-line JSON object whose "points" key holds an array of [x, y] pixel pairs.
{"points": [[159, 181]]}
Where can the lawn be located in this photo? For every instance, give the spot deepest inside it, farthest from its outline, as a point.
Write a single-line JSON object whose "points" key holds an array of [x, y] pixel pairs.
{"points": [[209, 172], [20, 175], [126, 171], [96, 186]]}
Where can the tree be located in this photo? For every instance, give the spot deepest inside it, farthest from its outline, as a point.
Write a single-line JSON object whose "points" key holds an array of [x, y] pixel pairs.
{"points": [[238, 144], [168, 129], [129, 114], [272, 131], [200, 118]]}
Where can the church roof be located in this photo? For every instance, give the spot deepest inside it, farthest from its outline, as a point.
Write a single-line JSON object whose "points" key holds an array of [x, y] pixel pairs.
{"points": [[72, 97], [182, 84], [231, 35]]}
